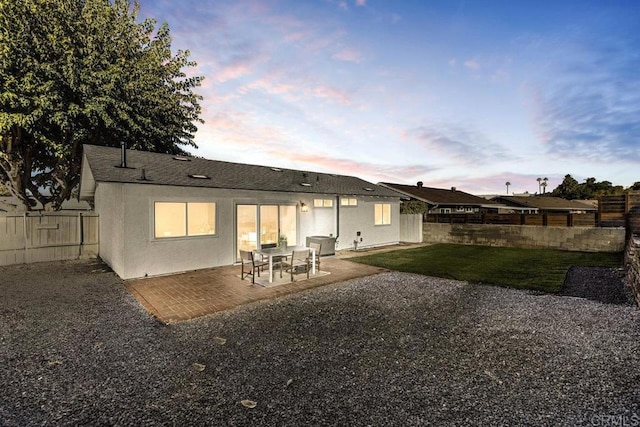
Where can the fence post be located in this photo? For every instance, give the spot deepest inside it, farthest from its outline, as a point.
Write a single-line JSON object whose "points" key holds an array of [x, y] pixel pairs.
{"points": [[80, 234], [24, 231], [599, 214], [545, 220]]}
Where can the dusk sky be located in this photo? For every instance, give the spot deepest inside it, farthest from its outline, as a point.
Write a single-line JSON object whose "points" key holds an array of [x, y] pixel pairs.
{"points": [[470, 94]]}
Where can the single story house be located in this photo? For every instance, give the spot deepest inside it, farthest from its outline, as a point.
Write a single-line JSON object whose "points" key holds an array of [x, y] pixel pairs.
{"points": [[162, 214], [444, 201], [545, 204]]}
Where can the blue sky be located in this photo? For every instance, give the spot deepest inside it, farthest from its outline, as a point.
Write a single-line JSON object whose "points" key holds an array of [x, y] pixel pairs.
{"points": [[470, 94]]}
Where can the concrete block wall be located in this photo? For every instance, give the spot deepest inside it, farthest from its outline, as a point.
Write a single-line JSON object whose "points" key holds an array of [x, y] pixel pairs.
{"points": [[584, 239], [632, 266]]}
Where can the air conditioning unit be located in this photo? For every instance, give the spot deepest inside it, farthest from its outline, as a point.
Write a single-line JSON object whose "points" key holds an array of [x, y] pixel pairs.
{"points": [[328, 244]]}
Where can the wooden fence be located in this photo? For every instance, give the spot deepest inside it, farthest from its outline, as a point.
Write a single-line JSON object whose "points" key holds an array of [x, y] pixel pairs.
{"points": [[613, 211], [546, 219], [33, 236], [620, 211]]}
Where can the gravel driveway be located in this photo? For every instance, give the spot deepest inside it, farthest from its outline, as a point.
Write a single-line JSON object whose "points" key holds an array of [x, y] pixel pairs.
{"points": [[392, 349]]}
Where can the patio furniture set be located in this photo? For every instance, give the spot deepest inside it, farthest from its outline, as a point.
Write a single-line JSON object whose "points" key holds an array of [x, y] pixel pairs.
{"points": [[292, 260]]}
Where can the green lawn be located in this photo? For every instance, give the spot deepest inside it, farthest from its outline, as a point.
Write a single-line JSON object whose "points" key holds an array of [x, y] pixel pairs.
{"points": [[536, 269]]}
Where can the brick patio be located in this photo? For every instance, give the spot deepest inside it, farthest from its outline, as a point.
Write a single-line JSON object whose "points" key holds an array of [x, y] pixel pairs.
{"points": [[197, 293]]}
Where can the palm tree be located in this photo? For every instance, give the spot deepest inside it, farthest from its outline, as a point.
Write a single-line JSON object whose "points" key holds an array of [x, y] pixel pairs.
{"points": [[544, 184], [539, 189], [507, 184]]}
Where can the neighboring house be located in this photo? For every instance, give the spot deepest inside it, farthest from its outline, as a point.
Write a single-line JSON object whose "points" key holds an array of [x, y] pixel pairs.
{"points": [[443, 201], [545, 204], [163, 214]]}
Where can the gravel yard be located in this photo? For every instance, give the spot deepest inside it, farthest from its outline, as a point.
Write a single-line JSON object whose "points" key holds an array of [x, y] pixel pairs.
{"points": [[392, 349]]}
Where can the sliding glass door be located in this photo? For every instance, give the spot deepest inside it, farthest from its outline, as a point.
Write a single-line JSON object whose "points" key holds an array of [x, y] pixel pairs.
{"points": [[246, 226], [261, 225], [288, 224]]}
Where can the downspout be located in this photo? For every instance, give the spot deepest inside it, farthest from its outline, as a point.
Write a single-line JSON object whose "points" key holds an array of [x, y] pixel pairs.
{"points": [[337, 218]]}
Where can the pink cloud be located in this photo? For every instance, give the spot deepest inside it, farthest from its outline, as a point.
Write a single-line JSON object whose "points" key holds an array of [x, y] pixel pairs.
{"points": [[472, 64], [368, 171], [232, 72], [296, 36], [331, 93], [227, 121], [348, 55], [268, 86], [361, 2]]}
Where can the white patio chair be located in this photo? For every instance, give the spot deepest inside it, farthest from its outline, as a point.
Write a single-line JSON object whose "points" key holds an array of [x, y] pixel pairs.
{"points": [[247, 258], [299, 263], [318, 248]]}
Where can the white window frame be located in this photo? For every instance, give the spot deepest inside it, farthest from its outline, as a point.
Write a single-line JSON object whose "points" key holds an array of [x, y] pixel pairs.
{"points": [[322, 203], [384, 207], [185, 227], [348, 201]]}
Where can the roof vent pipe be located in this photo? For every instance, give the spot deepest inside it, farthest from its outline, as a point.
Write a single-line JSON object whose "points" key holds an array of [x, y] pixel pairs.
{"points": [[123, 155], [453, 188], [420, 184]]}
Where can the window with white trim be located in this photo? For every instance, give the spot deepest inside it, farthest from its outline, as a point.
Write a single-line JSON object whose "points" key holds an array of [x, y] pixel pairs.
{"points": [[382, 214], [348, 201], [323, 203], [181, 219]]}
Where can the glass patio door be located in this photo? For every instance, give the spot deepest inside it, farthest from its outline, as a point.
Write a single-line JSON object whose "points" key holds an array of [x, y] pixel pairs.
{"points": [[246, 226], [268, 226], [261, 225], [288, 224]]}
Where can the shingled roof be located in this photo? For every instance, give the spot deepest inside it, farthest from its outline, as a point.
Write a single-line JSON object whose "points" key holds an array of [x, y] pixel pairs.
{"points": [[546, 203], [167, 169], [439, 196]]}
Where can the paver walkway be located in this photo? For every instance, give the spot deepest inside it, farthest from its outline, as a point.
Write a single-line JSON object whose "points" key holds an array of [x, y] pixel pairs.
{"points": [[197, 293]]}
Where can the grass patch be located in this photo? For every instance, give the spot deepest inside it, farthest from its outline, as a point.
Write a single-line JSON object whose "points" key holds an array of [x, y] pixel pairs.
{"points": [[535, 269]]}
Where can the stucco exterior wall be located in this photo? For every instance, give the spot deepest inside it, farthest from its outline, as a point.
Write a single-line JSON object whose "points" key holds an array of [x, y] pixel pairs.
{"points": [[109, 205], [361, 218], [128, 245], [146, 255], [587, 239]]}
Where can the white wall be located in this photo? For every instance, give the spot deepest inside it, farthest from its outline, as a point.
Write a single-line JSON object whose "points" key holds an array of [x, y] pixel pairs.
{"points": [[128, 245], [361, 218], [109, 205], [411, 228]]}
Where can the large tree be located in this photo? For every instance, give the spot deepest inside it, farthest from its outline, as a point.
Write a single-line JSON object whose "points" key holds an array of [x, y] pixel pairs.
{"points": [[589, 189], [76, 72]]}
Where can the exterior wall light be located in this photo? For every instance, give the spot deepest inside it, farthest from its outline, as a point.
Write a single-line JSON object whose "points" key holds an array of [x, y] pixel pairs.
{"points": [[304, 207]]}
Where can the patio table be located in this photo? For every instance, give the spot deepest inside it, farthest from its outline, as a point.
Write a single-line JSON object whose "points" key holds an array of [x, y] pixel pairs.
{"points": [[282, 251]]}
